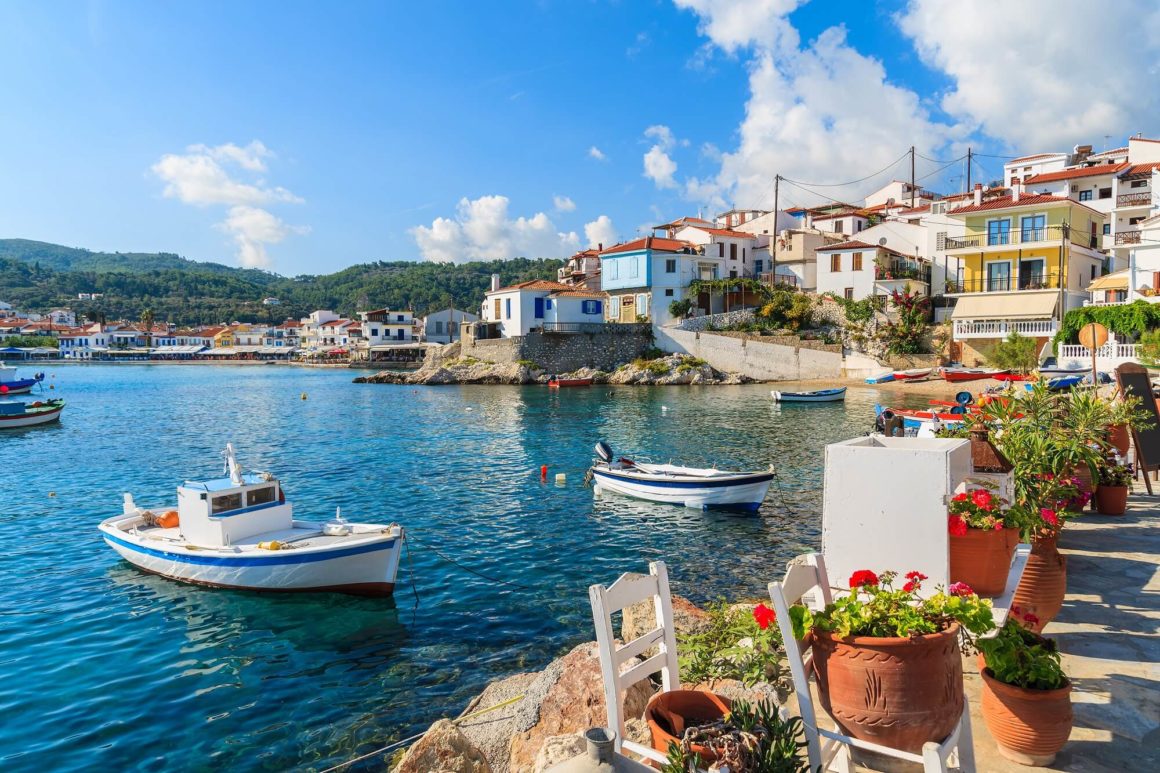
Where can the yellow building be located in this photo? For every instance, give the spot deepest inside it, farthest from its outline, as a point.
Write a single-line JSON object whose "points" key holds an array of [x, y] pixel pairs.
{"points": [[223, 338], [1023, 261]]}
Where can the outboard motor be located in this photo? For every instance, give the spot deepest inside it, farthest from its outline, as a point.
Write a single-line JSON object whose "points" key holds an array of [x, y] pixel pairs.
{"points": [[604, 452]]}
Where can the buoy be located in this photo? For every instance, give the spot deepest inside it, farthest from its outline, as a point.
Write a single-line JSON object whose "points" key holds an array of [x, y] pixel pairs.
{"points": [[52, 386], [543, 472], [52, 493], [561, 479], [303, 395]]}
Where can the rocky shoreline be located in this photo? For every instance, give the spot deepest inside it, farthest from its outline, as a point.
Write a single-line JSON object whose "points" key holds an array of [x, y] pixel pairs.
{"points": [[672, 369]]}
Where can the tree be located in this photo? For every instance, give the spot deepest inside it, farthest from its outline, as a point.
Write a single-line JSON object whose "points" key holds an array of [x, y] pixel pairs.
{"points": [[147, 325], [1016, 352], [1150, 348]]}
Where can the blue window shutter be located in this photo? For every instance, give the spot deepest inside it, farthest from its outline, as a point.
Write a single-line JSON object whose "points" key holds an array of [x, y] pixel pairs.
{"points": [[508, 308], [539, 308], [599, 307]]}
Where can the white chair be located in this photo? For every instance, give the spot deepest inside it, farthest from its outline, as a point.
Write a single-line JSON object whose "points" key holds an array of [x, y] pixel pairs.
{"points": [[625, 592], [806, 581]]}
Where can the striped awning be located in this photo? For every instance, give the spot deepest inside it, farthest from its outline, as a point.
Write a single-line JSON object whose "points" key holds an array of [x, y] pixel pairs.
{"points": [[1114, 281]]}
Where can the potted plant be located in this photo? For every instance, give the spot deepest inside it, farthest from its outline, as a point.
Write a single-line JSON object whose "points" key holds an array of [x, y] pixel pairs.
{"points": [[749, 739], [983, 535], [1043, 586], [1125, 414], [887, 660], [1112, 495], [1026, 698]]}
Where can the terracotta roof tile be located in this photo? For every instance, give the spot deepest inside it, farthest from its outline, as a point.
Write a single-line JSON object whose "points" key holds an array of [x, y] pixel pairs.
{"points": [[1033, 157], [654, 243], [578, 294], [726, 232], [1005, 202], [1069, 174], [852, 244], [533, 284]]}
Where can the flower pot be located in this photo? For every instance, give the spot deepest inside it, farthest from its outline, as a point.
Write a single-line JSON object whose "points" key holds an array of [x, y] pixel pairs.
{"points": [[1119, 437], [669, 713], [1029, 726], [1044, 582], [1112, 500], [1087, 483], [982, 558], [898, 692]]}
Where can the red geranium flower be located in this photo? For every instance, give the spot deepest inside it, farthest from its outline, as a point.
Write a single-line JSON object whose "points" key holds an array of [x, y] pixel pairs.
{"points": [[863, 577], [956, 526], [764, 616], [981, 497], [1030, 619], [960, 589], [998, 525], [960, 497], [911, 586], [916, 576]]}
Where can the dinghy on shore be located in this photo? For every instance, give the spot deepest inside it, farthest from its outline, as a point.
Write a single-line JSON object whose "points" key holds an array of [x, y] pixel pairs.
{"points": [[913, 374], [240, 532], [678, 485], [817, 396]]}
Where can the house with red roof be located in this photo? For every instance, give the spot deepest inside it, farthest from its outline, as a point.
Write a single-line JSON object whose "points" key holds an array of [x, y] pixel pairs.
{"points": [[856, 270], [541, 305], [645, 276]]}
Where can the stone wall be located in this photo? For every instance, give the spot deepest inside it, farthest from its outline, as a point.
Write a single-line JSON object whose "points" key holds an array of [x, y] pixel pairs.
{"points": [[697, 324], [565, 352], [754, 357]]}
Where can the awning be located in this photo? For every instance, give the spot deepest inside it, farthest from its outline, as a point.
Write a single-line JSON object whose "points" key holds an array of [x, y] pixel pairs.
{"points": [[1115, 281], [1023, 305]]}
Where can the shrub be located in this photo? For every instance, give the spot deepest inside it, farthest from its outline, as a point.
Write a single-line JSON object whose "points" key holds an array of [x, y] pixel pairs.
{"points": [[751, 738], [1016, 352], [1150, 348], [737, 643], [529, 364], [657, 367], [789, 309], [1019, 657], [906, 335], [681, 308]]}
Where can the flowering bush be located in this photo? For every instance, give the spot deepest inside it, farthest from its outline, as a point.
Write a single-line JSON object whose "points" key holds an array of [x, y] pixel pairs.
{"points": [[980, 509], [1115, 474], [876, 608], [1022, 658], [736, 644]]}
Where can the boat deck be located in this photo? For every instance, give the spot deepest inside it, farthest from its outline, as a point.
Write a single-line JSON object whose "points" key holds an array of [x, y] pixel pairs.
{"points": [[299, 537]]}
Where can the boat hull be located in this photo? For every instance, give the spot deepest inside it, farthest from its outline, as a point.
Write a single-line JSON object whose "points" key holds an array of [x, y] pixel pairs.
{"points": [[821, 396], [739, 493], [911, 375], [367, 569], [21, 387], [31, 419], [569, 382], [959, 376]]}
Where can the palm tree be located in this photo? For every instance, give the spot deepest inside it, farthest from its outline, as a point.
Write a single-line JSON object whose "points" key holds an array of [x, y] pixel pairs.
{"points": [[147, 324]]}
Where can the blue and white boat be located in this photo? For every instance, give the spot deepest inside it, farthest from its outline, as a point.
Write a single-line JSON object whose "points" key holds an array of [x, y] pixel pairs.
{"points": [[240, 532], [881, 378], [11, 385], [816, 396], [1061, 383], [674, 484]]}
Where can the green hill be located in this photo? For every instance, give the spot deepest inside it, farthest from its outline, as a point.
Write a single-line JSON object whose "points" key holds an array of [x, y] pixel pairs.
{"points": [[36, 276]]}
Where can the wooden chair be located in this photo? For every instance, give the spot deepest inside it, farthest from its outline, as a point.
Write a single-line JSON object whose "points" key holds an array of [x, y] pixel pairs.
{"points": [[625, 592], [806, 581]]}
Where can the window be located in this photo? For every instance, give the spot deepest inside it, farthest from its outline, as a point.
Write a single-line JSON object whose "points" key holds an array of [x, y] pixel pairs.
{"points": [[836, 262], [398, 317], [669, 293], [733, 273], [1093, 272], [507, 308], [998, 276], [938, 208], [838, 226], [1107, 228], [547, 303], [940, 241], [857, 261], [1085, 195], [438, 327], [642, 305], [742, 254], [1105, 193], [495, 312], [374, 332], [260, 496], [720, 249], [732, 252], [857, 226], [998, 232], [614, 307], [614, 269], [1031, 274], [1032, 228], [849, 293], [591, 307], [1139, 184], [1134, 220], [634, 268], [225, 503], [670, 265], [538, 308], [758, 266]]}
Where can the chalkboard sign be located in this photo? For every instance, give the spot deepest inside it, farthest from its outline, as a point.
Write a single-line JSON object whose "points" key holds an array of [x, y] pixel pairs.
{"points": [[1134, 381]]}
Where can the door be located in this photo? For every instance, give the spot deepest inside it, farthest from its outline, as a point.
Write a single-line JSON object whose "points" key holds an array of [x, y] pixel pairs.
{"points": [[1031, 274], [539, 311], [998, 232], [998, 276]]}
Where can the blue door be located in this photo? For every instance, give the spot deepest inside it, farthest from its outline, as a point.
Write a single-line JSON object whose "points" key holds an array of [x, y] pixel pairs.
{"points": [[539, 308]]}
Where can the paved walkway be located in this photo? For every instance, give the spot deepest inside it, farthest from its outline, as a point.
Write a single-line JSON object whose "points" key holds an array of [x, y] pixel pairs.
{"points": [[1109, 632]]}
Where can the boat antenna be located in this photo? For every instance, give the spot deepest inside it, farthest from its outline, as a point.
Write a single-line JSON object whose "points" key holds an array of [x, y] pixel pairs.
{"points": [[232, 467]]}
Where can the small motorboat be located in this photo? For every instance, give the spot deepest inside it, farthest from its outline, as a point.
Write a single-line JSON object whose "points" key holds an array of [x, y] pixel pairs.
{"points": [[970, 374], [911, 375], [10, 384], [240, 532], [817, 396], [1051, 368], [14, 413], [673, 484], [1062, 383], [1009, 377], [914, 423], [880, 378], [555, 382]]}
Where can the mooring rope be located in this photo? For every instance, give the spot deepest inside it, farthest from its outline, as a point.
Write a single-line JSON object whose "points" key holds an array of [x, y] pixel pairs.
{"points": [[397, 744]]}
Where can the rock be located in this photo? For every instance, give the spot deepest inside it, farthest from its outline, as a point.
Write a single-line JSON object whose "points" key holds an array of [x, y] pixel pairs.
{"points": [[443, 749], [558, 749], [491, 733], [567, 697], [640, 618]]}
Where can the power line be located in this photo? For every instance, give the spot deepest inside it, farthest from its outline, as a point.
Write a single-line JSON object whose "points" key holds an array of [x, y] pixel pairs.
{"points": [[852, 182]]}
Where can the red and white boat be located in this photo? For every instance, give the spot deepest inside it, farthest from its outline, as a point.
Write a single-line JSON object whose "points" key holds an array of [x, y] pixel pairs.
{"points": [[970, 374], [1010, 377], [14, 413], [556, 383], [911, 375]]}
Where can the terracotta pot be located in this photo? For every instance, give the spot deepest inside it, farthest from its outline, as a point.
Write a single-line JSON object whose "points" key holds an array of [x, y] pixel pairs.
{"points": [[899, 692], [669, 713], [1119, 437], [1087, 483], [1029, 726], [1044, 582], [982, 558], [1112, 500]]}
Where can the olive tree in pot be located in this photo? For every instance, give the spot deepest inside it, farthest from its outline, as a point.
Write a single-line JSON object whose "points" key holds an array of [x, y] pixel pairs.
{"points": [[1026, 698]]}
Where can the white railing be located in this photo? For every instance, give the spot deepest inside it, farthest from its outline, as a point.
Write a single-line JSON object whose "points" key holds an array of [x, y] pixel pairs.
{"points": [[1000, 328], [1109, 351]]}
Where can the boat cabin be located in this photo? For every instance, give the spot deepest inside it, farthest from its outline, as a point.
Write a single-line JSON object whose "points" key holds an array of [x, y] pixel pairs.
{"points": [[11, 408], [225, 511]]}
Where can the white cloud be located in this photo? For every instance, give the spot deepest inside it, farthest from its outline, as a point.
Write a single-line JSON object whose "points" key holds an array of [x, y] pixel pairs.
{"points": [[734, 24], [597, 153], [482, 230], [563, 204], [600, 231], [658, 164], [1056, 73], [663, 136], [206, 176]]}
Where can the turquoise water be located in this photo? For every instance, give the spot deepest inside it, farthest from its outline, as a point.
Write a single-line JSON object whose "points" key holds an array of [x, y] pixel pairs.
{"points": [[102, 666]]}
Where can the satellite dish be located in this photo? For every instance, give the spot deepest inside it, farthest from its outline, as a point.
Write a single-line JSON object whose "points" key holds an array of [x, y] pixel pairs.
{"points": [[890, 202], [882, 242]]}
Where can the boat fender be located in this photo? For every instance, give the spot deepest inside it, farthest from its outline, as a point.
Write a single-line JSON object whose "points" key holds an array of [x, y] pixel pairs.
{"points": [[271, 545], [167, 520]]}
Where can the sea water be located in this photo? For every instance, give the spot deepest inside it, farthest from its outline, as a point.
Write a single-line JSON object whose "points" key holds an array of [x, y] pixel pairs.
{"points": [[104, 667]]}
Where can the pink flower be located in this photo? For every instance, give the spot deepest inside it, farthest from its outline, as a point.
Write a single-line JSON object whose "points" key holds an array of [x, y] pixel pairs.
{"points": [[1030, 619], [956, 526], [764, 616], [998, 525], [1049, 516], [960, 589]]}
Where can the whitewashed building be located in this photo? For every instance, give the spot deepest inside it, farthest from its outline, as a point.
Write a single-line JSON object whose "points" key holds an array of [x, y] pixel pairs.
{"points": [[386, 326], [856, 270], [541, 304], [442, 327]]}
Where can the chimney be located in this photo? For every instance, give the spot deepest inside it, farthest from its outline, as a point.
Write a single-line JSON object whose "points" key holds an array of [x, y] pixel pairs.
{"points": [[600, 246], [978, 194], [1016, 189], [494, 282]]}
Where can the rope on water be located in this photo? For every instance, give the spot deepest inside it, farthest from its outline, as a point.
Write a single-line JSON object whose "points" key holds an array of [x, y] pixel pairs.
{"points": [[468, 569], [397, 744], [411, 570]]}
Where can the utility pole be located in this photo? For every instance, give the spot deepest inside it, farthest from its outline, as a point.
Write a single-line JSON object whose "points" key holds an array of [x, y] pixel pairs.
{"points": [[912, 177], [773, 241], [968, 190]]}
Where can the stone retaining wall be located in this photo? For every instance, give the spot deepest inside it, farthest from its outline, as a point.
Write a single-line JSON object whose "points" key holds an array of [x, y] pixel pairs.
{"points": [[697, 324], [757, 357], [564, 353]]}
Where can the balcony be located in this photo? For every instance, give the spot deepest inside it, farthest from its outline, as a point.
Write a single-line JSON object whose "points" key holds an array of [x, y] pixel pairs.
{"points": [[779, 280], [1006, 284], [1040, 328], [1127, 237], [1138, 199], [888, 270], [1016, 236]]}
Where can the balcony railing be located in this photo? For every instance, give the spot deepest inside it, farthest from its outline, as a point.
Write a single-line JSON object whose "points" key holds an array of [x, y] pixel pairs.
{"points": [[885, 271], [1032, 281], [1137, 199], [1128, 237], [1017, 235], [1000, 328], [784, 280]]}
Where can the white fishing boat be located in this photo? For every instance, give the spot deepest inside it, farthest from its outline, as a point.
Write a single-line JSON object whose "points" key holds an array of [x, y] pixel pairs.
{"points": [[14, 413], [674, 484], [240, 532], [816, 396]]}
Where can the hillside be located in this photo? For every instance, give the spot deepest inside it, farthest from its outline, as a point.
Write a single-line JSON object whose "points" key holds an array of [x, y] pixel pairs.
{"points": [[36, 276]]}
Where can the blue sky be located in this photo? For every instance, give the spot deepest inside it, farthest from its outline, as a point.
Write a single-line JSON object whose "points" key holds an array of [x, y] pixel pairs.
{"points": [[305, 137]]}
